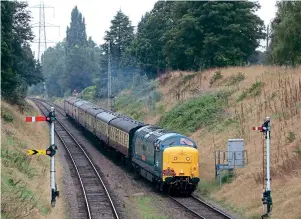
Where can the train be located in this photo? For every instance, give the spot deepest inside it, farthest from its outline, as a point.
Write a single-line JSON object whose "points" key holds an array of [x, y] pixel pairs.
{"points": [[167, 159]]}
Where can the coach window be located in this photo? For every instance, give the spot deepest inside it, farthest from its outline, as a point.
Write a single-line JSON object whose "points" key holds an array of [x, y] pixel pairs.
{"points": [[118, 135]]}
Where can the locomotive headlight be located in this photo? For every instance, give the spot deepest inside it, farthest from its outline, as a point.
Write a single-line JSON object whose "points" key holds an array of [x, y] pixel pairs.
{"points": [[175, 158], [188, 158]]}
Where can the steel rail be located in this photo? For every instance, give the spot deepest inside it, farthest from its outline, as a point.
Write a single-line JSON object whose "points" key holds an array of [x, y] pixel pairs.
{"points": [[211, 208]]}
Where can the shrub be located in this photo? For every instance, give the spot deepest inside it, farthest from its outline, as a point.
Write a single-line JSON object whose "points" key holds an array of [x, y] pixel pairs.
{"points": [[7, 116], [204, 111], [291, 137], [234, 79], [253, 91], [88, 93], [216, 76]]}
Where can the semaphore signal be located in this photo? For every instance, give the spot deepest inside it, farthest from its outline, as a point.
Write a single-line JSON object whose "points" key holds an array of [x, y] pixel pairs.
{"points": [[266, 195], [49, 151]]}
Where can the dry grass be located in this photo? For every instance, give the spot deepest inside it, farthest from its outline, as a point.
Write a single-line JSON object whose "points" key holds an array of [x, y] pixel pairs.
{"points": [[260, 92], [25, 180]]}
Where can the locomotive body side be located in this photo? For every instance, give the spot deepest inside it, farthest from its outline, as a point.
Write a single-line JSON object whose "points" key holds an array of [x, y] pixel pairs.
{"points": [[145, 159]]}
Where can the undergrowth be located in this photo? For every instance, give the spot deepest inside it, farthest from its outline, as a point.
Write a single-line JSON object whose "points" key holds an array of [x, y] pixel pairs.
{"points": [[235, 79], [196, 113], [253, 91], [216, 76]]}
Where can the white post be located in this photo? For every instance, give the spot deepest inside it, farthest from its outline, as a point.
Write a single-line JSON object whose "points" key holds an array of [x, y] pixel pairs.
{"points": [[53, 189], [266, 196], [268, 160]]}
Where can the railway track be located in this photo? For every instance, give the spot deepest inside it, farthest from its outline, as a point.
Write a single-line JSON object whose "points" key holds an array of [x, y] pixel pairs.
{"points": [[199, 208], [98, 202]]}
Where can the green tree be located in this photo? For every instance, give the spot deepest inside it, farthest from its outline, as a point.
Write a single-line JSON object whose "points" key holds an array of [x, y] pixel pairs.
{"points": [[79, 74], [189, 35], [212, 34], [148, 44], [286, 34], [54, 70], [19, 69], [121, 35]]}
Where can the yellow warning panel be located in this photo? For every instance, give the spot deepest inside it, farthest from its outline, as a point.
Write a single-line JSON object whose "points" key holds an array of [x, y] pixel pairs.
{"points": [[36, 152]]}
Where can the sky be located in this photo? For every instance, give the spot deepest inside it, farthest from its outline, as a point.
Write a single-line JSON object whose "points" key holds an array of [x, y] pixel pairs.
{"points": [[99, 13]]}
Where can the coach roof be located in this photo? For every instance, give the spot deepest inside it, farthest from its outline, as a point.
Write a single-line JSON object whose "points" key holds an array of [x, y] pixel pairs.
{"points": [[125, 123]]}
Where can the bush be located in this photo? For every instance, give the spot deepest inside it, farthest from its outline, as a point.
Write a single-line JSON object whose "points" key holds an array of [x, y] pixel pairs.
{"points": [[253, 91], [7, 116], [216, 76], [204, 111], [234, 79], [88, 93]]}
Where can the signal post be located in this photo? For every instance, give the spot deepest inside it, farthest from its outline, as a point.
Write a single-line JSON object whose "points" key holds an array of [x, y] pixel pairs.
{"points": [[265, 128], [49, 151]]}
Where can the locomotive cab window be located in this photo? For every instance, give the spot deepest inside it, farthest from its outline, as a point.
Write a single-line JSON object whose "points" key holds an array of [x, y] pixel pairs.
{"points": [[170, 142], [185, 141]]}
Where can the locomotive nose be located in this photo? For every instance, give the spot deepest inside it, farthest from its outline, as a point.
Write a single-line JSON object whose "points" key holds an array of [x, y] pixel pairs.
{"points": [[180, 161]]}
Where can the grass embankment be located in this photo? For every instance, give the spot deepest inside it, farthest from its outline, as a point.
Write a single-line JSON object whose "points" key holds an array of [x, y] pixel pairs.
{"points": [[191, 104], [25, 188]]}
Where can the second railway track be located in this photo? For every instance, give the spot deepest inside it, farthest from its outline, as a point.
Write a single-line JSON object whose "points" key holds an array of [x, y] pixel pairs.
{"points": [[199, 208], [98, 201]]}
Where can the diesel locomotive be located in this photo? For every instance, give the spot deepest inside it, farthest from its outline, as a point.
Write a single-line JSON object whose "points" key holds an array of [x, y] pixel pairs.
{"points": [[167, 159]]}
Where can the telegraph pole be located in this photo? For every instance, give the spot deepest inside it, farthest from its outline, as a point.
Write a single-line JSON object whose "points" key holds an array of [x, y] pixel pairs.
{"points": [[109, 77], [45, 90], [42, 28], [268, 35]]}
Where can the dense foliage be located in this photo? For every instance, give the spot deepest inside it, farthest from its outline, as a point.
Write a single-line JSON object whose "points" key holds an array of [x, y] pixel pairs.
{"points": [[285, 46], [19, 69], [173, 35]]}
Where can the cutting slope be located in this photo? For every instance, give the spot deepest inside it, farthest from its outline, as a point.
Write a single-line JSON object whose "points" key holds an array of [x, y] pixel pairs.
{"points": [[25, 180], [219, 104]]}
